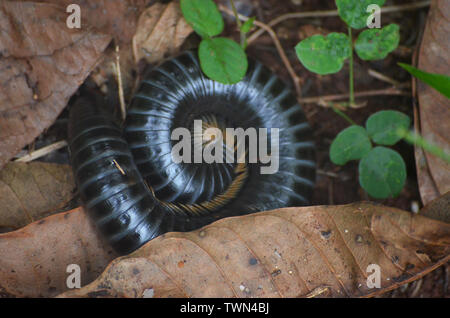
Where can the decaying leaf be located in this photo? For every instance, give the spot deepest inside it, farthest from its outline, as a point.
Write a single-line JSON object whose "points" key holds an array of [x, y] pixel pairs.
{"points": [[160, 32], [434, 56], [292, 252], [42, 63], [34, 259], [30, 191]]}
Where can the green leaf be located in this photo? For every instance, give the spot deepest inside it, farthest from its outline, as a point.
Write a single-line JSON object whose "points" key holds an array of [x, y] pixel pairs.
{"points": [[350, 144], [354, 12], [223, 60], [376, 44], [383, 126], [203, 16], [324, 55], [439, 82], [248, 25], [382, 173]]}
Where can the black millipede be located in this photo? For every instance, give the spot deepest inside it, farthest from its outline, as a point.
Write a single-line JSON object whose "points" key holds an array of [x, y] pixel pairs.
{"points": [[129, 183]]}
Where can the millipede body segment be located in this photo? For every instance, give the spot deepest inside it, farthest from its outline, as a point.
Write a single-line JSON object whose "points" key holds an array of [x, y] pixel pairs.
{"points": [[134, 190]]}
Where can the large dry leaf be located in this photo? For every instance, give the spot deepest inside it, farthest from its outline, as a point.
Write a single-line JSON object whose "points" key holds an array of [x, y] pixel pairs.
{"points": [[42, 63], [434, 57], [161, 31], [34, 259], [30, 191], [292, 252]]}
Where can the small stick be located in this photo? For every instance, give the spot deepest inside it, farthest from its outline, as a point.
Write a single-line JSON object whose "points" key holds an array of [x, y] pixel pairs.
{"points": [[120, 84], [327, 173], [317, 292], [283, 56], [296, 15], [320, 99], [384, 78], [42, 152]]}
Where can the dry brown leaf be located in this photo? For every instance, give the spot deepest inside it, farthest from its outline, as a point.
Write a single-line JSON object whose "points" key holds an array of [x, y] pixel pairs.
{"points": [[34, 259], [160, 32], [30, 191], [290, 252], [434, 57], [42, 63], [117, 18]]}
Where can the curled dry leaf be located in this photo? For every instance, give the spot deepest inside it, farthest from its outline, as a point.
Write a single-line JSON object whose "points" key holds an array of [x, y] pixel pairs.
{"points": [[32, 191], [434, 56], [42, 63], [292, 252], [34, 259], [161, 31]]}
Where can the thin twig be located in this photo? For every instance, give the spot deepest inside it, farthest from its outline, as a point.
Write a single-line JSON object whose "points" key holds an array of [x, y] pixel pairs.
{"points": [[120, 84], [317, 292], [327, 173], [280, 49], [384, 78], [334, 13], [42, 152], [407, 7], [321, 99], [296, 15]]}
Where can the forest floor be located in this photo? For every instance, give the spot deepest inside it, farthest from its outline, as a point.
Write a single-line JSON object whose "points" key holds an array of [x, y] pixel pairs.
{"points": [[335, 184]]}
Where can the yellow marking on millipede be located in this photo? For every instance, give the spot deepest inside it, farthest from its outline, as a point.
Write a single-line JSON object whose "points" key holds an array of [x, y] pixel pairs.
{"points": [[118, 167], [220, 200]]}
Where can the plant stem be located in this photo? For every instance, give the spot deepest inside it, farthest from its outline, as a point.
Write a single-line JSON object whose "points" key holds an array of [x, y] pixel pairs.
{"points": [[352, 91], [418, 140], [239, 24], [343, 115]]}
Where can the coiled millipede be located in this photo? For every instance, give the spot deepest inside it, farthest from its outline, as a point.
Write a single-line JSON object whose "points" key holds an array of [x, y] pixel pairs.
{"points": [[133, 189]]}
